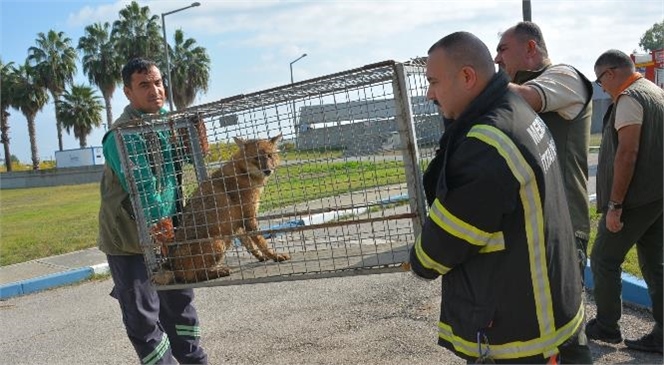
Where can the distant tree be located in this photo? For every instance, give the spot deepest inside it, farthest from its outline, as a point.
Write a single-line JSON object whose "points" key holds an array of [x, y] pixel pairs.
{"points": [[653, 38], [190, 70], [101, 63], [7, 74], [80, 111], [29, 96], [137, 34], [54, 59]]}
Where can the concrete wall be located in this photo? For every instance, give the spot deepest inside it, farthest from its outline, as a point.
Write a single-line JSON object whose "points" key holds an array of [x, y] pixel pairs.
{"points": [[368, 137], [51, 177]]}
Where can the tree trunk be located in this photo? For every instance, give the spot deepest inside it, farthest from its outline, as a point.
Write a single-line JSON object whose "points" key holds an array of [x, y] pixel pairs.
{"points": [[83, 141], [4, 139], [33, 141], [109, 111], [58, 124]]}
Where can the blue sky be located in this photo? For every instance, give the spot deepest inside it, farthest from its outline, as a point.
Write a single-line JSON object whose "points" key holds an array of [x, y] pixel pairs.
{"points": [[251, 43]]}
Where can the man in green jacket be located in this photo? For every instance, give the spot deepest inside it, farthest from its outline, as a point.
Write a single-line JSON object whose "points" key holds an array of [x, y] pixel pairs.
{"points": [[161, 325]]}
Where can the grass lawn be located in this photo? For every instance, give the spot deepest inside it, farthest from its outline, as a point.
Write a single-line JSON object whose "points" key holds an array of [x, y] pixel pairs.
{"points": [[42, 222]]}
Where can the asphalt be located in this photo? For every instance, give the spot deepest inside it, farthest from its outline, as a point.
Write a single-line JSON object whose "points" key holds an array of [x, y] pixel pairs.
{"points": [[50, 272]]}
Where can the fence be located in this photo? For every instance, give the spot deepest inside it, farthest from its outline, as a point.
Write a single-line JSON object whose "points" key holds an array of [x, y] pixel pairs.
{"points": [[344, 199]]}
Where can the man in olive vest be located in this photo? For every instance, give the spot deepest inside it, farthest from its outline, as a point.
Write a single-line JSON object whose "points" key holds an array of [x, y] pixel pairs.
{"points": [[629, 195], [562, 96], [163, 325]]}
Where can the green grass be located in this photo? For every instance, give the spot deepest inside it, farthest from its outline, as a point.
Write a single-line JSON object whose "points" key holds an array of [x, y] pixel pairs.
{"points": [[314, 181], [42, 222]]}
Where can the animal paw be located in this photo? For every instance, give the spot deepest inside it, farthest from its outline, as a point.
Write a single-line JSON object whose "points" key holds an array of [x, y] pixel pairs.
{"points": [[220, 271], [281, 257]]}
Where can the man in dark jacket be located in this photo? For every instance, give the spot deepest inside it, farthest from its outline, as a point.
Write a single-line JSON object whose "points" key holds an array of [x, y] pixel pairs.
{"points": [[498, 230], [629, 195]]}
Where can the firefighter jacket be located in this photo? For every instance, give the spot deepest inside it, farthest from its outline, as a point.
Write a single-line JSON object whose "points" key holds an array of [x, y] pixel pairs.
{"points": [[499, 232]]}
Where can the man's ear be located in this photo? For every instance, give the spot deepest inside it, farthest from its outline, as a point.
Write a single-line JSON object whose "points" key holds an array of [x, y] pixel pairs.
{"points": [[127, 92], [469, 76], [532, 47]]}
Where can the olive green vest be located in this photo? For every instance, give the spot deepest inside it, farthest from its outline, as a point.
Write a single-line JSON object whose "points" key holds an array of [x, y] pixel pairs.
{"points": [[572, 138], [646, 185], [118, 234]]}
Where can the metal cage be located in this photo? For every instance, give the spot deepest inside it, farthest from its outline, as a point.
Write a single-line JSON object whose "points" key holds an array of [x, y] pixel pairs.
{"points": [[346, 198]]}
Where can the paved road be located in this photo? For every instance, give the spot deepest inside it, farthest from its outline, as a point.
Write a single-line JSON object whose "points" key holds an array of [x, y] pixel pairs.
{"points": [[376, 319]]}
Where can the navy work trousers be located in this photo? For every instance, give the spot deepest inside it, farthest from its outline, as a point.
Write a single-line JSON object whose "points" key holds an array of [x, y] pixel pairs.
{"points": [[161, 325]]}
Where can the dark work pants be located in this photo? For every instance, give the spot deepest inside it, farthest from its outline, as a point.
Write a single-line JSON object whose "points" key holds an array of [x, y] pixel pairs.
{"points": [[643, 227], [161, 325]]}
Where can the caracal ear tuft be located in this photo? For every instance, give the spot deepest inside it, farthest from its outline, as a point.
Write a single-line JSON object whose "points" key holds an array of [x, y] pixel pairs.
{"points": [[275, 139], [239, 141]]}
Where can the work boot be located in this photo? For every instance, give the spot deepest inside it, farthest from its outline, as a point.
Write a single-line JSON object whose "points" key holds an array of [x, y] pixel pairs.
{"points": [[595, 331], [646, 343]]}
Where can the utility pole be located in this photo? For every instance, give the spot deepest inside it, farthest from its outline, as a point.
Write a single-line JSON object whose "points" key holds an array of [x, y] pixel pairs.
{"points": [[527, 13]]}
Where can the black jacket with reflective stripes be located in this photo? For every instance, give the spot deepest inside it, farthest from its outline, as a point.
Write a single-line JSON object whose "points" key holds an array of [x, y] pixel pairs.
{"points": [[499, 233]]}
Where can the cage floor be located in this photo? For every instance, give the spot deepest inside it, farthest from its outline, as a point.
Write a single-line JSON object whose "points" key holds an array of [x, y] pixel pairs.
{"points": [[309, 264]]}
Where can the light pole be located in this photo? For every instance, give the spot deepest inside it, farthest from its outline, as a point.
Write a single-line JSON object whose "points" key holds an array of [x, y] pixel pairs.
{"points": [[168, 62], [527, 12], [291, 81]]}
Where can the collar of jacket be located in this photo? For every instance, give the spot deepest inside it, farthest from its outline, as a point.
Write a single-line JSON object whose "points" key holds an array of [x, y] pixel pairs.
{"points": [[129, 114], [495, 89], [526, 75]]}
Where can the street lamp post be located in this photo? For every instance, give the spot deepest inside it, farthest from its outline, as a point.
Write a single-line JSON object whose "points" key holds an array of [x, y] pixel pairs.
{"points": [[291, 81], [168, 62]]}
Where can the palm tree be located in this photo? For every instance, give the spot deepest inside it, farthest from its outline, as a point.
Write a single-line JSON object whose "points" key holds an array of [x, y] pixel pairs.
{"points": [[80, 111], [55, 61], [7, 73], [101, 63], [190, 70], [29, 96], [137, 33]]}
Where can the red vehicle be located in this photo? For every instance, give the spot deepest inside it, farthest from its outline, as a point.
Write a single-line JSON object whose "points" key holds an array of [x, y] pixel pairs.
{"points": [[651, 65]]}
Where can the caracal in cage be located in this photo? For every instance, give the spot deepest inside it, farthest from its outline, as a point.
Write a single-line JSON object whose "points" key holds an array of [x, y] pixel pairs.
{"points": [[223, 205]]}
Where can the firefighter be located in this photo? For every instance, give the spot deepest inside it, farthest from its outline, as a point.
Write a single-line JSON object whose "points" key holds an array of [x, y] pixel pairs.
{"points": [[498, 229]]}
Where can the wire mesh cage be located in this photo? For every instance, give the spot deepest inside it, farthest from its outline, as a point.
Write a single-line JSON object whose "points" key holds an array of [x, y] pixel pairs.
{"points": [[314, 179]]}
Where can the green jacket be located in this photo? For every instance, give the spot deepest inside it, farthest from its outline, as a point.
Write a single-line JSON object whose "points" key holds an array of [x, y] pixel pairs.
{"points": [[155, 179]]}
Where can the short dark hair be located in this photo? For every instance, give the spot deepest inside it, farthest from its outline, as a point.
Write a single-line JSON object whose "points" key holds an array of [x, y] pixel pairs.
{"points": [[467, 50], [526, 31], [615, 58], [134, 65]]}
